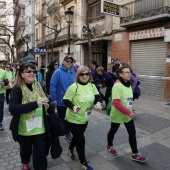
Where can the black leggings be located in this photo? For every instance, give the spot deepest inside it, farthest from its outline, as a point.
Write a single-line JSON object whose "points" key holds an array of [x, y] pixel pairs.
{"points": [[130, 127], [37, 143], [8, 92], [78, 140], [107, 95]]}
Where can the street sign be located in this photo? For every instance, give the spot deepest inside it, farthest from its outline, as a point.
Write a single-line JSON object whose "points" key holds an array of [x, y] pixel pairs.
{"points": [[110, 8], [38, 50]]}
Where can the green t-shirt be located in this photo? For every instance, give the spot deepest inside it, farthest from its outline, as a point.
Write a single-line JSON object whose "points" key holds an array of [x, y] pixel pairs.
{"points": [[10, 78], [22, 128], [83, 96], [2, 77], [119, 91]]}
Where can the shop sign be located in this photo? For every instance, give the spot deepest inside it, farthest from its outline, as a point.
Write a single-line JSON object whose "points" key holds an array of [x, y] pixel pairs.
{"points": [[38, 50], [145, 34], [110, 8]]}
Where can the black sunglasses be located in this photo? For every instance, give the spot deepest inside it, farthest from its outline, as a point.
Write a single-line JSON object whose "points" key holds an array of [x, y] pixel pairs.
{"points": [[56, 64], [8, 67], [30, 71], [67, 61], [83, 74]]}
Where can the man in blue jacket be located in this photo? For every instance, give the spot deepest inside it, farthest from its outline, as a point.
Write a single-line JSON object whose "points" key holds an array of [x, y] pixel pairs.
{"points": [[61, 79]]}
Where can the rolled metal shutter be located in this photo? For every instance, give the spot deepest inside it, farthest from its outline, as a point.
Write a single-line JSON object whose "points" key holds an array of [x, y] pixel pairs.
{"points": [[148, 58]]}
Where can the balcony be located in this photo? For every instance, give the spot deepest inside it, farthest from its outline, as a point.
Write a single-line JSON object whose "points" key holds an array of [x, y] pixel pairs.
{"points": [[144, 11], [21, 22], [42, 14], [52, 6], [3, 23], [62, 36], [64, 1]]}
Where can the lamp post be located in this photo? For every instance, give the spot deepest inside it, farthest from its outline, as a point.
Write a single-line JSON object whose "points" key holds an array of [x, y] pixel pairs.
{"points": [[27, 40], [69, 19]]}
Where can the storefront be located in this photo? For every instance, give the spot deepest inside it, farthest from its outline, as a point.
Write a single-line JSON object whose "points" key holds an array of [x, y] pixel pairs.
{"points": [[148, 58], [146, 53]]}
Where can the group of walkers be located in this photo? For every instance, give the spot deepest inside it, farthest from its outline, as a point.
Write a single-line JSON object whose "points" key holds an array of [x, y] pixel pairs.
{"points": [[7, 76], [73, 91]]}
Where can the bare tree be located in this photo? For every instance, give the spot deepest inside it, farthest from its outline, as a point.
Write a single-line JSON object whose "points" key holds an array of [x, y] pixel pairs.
{"points": [[12, 32], [88, 28], [56, 18]]}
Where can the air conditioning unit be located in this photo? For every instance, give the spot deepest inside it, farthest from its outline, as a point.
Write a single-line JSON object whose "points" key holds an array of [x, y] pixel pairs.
{"points": [[104, 32]]}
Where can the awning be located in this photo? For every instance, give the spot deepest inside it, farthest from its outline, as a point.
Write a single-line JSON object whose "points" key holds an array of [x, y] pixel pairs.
{"points": [[2, 56], [108, 38]]}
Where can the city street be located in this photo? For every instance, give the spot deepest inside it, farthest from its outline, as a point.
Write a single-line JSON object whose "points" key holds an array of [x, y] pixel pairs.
{"points": [[153, 136]]}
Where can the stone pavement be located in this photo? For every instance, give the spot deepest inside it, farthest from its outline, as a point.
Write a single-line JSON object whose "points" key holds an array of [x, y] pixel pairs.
{"points": [[153, 136]]}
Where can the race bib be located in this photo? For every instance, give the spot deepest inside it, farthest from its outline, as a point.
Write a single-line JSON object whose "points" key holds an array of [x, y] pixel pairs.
{"points": [[88, 113], [35, 123], [129, 102]]}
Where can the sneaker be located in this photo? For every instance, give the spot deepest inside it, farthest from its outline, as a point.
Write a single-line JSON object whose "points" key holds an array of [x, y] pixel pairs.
{"points": [[111, 150], [68, 137], [1, 126], [25, 167], [85, 166], [138, 157], [71, 154]]}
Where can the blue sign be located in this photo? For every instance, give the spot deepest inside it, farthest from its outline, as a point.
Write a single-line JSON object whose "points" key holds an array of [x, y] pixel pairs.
{"points": [[38, 50]]}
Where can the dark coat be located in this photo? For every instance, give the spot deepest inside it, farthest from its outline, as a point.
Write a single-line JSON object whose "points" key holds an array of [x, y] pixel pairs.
{"points": [[16, 108]]}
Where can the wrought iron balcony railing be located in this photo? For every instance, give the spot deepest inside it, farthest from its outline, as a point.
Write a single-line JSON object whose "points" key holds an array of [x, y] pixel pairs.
{"points": [[42, 14], [63, 1], [140, 9], [62, 36], [52, 5]]}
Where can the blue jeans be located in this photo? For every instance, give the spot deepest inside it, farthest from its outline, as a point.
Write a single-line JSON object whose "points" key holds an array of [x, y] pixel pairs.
{"points": [[2, 99]]}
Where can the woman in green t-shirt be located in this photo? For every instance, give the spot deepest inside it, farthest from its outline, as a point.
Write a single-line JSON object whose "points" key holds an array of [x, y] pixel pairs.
{"points": [[122, 112], [80, 98], [29, 123]]}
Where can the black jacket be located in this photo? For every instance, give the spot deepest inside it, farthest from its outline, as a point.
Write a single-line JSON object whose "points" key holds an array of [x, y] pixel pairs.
{"points": [[16, 108]]}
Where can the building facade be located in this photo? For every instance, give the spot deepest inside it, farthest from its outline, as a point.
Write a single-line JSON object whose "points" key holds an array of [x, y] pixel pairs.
{"points": [[3, 32], [143, 44], [51, 30]]}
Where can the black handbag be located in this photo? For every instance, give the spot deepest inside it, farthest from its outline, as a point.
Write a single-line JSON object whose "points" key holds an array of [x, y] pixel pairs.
{"points": [[58, 126], [56, 149]]}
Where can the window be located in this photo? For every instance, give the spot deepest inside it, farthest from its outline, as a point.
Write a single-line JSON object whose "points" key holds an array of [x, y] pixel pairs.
{"points": [[36, 34], [2, 31], [95, 11]]}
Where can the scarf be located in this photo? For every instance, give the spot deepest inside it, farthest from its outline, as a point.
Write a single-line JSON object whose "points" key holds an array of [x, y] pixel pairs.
{"points": [[127, 84], [32, 96]]}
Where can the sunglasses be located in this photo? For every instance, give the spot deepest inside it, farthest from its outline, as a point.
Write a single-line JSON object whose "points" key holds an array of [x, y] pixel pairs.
{"points": [[67, 61], [30, 71], [56, 64], [8, 67], [83, 74]]}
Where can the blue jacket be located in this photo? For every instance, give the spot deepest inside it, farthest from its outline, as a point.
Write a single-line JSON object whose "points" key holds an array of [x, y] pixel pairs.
{"points": [[39, 77], [61, 79]]}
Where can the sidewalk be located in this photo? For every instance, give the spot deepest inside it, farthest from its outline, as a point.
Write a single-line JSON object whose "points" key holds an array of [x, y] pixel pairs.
{"points": [[153, 136]]}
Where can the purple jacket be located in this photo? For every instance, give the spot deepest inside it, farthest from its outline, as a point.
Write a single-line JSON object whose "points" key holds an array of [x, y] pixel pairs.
{"points": [[95, 76], [135, 87], [107, 80]]}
